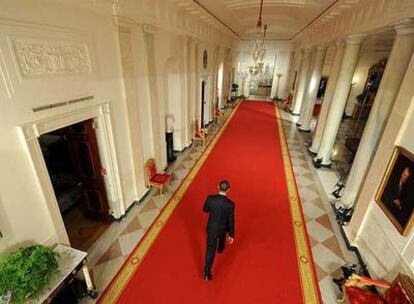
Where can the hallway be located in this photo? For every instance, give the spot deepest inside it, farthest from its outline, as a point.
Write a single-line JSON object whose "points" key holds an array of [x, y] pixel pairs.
{"points": [[328, 249], [110, 109], [328, 252], [249, 155]]}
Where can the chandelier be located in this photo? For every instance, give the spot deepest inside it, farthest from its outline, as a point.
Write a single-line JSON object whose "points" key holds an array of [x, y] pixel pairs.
{"points": [[258, 51]]}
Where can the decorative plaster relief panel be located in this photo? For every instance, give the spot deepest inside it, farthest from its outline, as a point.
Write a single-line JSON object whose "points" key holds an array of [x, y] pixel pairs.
{"points": [[39, 57]]}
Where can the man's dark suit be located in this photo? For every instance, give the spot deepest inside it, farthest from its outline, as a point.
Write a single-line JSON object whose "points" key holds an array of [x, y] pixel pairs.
{"points": [[401, 191], [220, 222]]}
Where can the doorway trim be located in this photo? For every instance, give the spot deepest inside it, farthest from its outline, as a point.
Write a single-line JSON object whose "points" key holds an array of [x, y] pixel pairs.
{"points": [[205, 112], [102, 116]]}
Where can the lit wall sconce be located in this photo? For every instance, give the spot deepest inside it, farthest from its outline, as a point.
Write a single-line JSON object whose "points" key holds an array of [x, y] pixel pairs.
{"points": [[355, 79]]}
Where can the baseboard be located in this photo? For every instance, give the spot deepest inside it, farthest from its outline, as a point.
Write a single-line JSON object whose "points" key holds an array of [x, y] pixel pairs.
{"points": [[355, 251], [132, 205], [183, 150], [318, 164]]}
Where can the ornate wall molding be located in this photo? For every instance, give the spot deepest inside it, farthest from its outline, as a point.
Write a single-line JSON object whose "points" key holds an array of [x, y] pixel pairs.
{"points": [[40, 57], [186, 18], [359, 17]]}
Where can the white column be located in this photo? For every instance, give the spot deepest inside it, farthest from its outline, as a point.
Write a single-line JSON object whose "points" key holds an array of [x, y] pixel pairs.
{"points": [[395, 70], [326, 103], [306, 87], [312, 88], [304, 105], [303, 75], [339, 99]]}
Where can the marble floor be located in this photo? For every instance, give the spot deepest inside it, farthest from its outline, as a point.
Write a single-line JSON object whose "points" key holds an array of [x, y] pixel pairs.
{"points": [[107, 255], [315, 187]]}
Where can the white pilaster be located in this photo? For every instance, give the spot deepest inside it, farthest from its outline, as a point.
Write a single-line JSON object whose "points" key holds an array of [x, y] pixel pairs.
{"points": [[312, 88], [303, 75], [326, 103], [343, 85], [395, 70], [157, 113]]}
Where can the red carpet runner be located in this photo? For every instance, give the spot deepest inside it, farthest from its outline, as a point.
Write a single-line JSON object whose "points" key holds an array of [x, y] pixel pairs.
{"points": [[270, 260]]}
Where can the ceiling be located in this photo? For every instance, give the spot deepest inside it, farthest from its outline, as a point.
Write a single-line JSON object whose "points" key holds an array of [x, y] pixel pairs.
{"points": [[284, 18]]}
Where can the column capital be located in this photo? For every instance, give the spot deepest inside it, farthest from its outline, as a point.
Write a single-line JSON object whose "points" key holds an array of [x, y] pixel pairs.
{"points": [[340, 42], [189, 39], [404, 26], [355, 39], [307, 49], [321, 47], [149, 29]]}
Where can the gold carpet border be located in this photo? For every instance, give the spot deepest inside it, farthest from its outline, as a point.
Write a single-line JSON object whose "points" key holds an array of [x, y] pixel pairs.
{"points": [[309, 285], [130, 267]]}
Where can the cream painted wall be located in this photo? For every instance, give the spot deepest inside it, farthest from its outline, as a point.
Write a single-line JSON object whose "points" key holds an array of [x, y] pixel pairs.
{"points": [[391, 253], [139, 61], [46, 25], [131, 93], [327, 65], [280, 85], [384, 249]]}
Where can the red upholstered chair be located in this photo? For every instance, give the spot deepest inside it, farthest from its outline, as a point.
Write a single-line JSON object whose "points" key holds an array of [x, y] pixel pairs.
{"points": [[401, 291], [200, 135], [155, 179], [218, 115], [287, 102], [316, 109]]}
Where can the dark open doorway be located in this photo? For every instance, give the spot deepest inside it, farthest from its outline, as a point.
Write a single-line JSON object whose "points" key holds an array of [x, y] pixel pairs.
{"points": [[73, 162], [203, 102]]}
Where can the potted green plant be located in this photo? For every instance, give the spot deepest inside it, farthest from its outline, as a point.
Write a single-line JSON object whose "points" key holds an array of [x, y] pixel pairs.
{"points": [[25, 272]]}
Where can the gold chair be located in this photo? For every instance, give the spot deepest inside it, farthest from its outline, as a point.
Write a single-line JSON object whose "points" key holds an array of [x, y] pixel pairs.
{"points": [[200, 135], [218, 115]]}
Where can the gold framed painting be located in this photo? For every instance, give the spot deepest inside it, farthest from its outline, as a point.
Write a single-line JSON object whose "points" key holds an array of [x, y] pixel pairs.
{"points": [[395, 195]]}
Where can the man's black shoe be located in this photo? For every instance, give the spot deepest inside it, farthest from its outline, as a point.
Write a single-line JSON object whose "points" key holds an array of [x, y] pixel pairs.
{"points": [[208, 277]]}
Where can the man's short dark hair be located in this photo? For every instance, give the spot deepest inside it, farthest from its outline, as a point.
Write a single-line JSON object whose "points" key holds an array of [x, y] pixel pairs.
{"points": [[224, 185]]}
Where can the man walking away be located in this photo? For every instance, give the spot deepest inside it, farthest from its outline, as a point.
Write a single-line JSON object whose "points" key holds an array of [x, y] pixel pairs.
{"points": [[220, 222]]}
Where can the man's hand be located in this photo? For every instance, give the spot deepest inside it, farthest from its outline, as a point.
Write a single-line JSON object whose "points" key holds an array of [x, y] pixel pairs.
{"points": [[230, 240]]}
